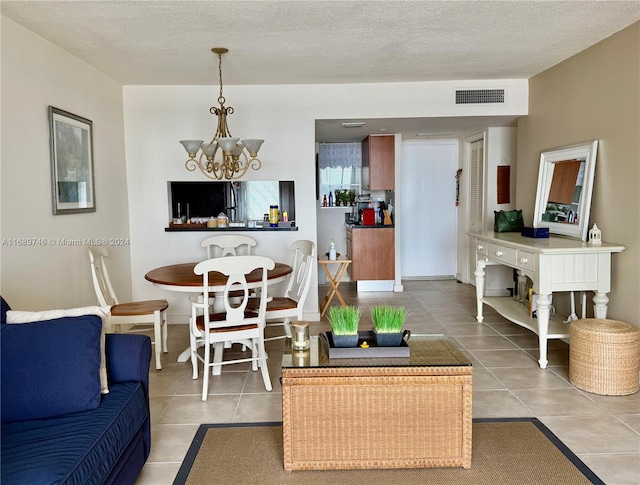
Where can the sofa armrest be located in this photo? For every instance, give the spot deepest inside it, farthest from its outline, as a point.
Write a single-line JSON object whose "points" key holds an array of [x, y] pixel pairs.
{"points": [[128, 358]]}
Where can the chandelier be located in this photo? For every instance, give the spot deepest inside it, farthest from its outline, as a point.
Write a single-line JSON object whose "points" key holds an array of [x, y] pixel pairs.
{"points": [[224, 157]]}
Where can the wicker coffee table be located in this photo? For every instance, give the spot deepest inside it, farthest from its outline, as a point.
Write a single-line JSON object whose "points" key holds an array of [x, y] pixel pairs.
{"points": [[401, 412]]}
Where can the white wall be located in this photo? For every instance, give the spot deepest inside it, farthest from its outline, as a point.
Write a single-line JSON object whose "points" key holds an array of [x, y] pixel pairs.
{"points": [[36, 74], [157, 117]]}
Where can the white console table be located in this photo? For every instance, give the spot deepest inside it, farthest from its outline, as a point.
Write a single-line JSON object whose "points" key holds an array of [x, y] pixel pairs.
{"points": [[553, 264]]}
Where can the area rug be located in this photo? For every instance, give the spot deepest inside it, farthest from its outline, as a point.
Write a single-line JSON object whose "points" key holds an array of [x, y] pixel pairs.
{"points": [[505, 451]]}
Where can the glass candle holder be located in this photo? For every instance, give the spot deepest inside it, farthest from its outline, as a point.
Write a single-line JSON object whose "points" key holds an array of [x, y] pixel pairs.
{"points": [[301, 358], [300, 335]]}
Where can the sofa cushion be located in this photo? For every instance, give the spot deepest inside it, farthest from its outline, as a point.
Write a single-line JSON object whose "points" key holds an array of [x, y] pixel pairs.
{"points": [[49, 368], [77, 448], [103, 312]]}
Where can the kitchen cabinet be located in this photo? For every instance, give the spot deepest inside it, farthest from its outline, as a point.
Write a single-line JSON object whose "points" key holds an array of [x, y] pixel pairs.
{"points": [[378, 162], [372, 254]]}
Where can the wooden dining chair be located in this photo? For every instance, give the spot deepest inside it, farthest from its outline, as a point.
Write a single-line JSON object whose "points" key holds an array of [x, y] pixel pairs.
{"points": [[228, 245], [237, 324], [133, 313], [282, 309]]}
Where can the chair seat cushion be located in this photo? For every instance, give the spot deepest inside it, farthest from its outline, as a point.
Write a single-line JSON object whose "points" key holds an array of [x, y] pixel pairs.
{"points": [[139, 307], [50, 368], [76, 448], [213, 317], [277, 304]]}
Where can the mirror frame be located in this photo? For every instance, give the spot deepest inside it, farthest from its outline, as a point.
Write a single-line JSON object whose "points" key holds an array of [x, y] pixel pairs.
{"points": [[548, 159]]}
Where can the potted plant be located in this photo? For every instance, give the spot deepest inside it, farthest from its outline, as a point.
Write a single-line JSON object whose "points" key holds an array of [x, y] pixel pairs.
{"points": [[387, 324], [344, 325]]}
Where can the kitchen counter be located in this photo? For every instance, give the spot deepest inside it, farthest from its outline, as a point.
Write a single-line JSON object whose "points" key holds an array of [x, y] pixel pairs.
{"points": [[372, 256], [357, 225]]}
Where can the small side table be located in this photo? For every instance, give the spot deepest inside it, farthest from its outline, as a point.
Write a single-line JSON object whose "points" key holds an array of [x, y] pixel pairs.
{"points": [[334, 280]]}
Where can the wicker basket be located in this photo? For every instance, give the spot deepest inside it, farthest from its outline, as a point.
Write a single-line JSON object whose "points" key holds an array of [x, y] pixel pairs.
{"points": [[604, 356]]}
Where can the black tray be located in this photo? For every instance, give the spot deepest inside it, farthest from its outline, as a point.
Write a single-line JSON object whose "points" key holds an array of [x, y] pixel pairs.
{"points": [[371, 352]]}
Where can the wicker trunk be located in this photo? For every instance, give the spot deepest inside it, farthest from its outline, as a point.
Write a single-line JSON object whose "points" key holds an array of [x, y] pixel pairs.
{"points": [[377, 417]]}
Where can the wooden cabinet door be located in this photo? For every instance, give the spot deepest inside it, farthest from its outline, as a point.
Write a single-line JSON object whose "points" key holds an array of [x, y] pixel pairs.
{"points": [[378, 162], [373, 254]]}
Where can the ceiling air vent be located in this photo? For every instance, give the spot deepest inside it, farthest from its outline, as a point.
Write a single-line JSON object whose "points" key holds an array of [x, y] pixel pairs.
{"points": [[480, 96]]}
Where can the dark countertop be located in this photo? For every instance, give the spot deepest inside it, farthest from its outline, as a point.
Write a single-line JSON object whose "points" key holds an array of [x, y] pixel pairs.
{"points": [[357, 225]]}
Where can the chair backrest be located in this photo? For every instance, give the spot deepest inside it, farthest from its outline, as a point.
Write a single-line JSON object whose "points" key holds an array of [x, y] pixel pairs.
{"points": [[101, 283], [304, 253], [236, 268], [228, 245]]}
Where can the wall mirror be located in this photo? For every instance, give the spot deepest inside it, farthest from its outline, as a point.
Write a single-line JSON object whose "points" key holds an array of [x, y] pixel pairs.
{"points": [[565, 184]]}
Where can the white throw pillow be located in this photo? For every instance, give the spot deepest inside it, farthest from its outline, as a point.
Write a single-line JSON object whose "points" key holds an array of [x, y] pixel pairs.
{"points": [[16, 317]]}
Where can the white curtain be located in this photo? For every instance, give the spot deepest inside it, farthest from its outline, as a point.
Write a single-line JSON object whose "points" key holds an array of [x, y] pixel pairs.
{"points": [[340, 155]]}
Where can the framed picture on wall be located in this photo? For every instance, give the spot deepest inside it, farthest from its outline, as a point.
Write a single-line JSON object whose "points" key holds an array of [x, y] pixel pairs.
{"points": [[72, 181]]}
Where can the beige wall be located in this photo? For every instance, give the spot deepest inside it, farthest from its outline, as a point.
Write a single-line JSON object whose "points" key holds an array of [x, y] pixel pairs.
{"points": [[36, 74], [594, 95]]}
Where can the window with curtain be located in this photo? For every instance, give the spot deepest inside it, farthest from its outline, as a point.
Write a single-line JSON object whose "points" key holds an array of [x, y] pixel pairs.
{"points": [[340, 165]]}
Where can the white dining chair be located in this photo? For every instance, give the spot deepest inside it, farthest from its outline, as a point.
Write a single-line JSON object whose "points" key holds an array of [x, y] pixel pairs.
{"points": [[144, 312], [228, 245], [237, 324], [282, 309]]}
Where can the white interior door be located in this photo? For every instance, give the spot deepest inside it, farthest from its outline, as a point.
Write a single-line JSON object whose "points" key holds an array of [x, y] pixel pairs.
{"points": [[429, 225]]}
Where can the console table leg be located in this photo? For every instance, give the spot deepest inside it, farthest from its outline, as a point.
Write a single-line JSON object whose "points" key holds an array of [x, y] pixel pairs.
{"points": [[600, 300], [543, 303], [479, 274]]}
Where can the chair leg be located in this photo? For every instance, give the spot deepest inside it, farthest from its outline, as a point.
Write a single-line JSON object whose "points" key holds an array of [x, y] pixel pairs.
{"points": [[218, 351], [263, 365], [287, 327], [111, 328], [157, 330], [205, 373], [164, 333], [193, 347]]}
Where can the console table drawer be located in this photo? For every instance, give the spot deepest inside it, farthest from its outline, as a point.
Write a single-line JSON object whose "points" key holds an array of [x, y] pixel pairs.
{"points": [[504, 255], [481, 247], [526, 260]]}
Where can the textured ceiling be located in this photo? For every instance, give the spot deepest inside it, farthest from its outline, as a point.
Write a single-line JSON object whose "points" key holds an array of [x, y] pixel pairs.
{"points": [[308, 42], [319, 42]]}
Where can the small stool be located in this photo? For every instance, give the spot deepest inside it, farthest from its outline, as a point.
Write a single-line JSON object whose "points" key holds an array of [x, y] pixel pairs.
{"points": [[604, 356]]}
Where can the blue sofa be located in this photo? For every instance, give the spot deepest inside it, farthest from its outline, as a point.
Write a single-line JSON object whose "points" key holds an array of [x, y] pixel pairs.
{"points": [[57, 426]]}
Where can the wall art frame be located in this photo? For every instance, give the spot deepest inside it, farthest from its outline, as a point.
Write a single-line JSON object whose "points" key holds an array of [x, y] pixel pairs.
{"points": [[72, 175]]}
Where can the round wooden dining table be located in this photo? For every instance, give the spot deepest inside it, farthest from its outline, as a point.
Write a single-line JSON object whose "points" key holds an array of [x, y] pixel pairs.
{"points": [[180, 277]]}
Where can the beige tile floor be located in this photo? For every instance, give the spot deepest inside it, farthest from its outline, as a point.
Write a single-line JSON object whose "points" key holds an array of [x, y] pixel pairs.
{"points": [[604, 431]]}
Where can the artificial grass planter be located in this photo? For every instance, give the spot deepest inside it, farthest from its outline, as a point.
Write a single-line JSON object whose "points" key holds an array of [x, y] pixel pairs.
{"points": [[344, 324], [387, 324]]}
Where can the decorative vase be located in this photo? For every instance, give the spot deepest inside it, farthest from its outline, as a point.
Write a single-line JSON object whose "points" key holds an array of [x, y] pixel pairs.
{"points": [[345, 340], [390, 339]]}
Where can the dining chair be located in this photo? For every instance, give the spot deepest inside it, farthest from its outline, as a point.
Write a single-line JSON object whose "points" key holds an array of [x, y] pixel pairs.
{"points": [[237, 324], [228, 245], [132, 313], [281, 309]]}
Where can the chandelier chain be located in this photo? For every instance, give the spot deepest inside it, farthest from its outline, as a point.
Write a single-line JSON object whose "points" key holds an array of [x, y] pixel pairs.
{"points": [[220, 73]]}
